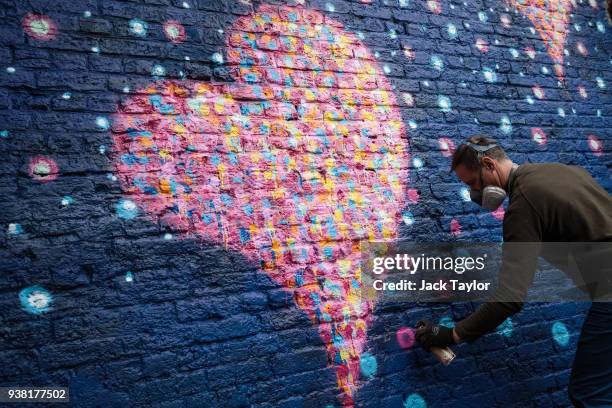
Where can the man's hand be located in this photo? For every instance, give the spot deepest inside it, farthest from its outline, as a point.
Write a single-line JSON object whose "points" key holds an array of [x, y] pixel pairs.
{"points": [[433, 335]]}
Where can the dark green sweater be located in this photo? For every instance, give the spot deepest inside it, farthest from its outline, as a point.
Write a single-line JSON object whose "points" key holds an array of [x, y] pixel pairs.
{"points": [[549, 202]]}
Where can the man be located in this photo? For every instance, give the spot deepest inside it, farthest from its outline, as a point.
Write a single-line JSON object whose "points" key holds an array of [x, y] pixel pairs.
{"points": [[548, 202]]}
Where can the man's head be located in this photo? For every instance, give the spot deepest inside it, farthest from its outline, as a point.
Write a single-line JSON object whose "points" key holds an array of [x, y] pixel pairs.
{"points": [[481, 163]]}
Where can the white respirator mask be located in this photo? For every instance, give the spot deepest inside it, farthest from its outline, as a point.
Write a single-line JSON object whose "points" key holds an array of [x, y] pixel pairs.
{"points": [[489, 197]]}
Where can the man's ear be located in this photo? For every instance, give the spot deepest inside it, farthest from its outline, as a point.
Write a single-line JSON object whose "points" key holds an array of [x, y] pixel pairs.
{"points": [[488, 163]]}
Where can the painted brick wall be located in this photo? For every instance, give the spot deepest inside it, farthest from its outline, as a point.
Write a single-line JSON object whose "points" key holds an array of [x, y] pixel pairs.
{"points": [[184, 185]]}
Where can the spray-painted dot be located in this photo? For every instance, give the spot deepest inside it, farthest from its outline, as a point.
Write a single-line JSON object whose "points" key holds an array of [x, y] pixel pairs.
{"points": [[538, 92], [482, 45], [39, 27], [174, 31], [412, 124], [4, 134], [413, 195], [506, 20], [66, 95], [126, 209], [158, 71], [129, 276], [409, 52], [167, 236], [444, 103], [505, 329], [538, 136], [455, 228], [582, 92], [465, 194], [595, 145], [102, 123], [600, 27], [415, 401], [532, 30], [560, 334], [434, 6], [87, 14], [405, 337], [482, 16], [392, 34], [360, 35], [531, 52], [451, 29], [126, 89], [368, 365], [35, 300], [408, 99], [436, 62], [95, 49], [446, 321], [514, 52], [330, 7], [102, 149], [403, 3], [408, 218], [217, 58], [186, 5], [582, 49], [600, 82], [417, 162], [561, 112], [66, 201], [14, 229], [43, 169], [386, 69], [446, 146], [489, 75], [505, 125], [545, 70], [138, 27], [10, 70], [529, 100]]}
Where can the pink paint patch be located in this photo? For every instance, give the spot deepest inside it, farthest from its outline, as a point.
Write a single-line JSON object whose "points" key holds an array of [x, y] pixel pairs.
{"points": [[582, 49], [455, 228], [582, 92], [482, 45], [531, 52], [413, 195], [595, 145], [446, 146], [551, 20], [538, 136], [499, 213], [409, 52], [39, 27], [538, 92], [43, 169], [434, 6], [277, 171], [174, 31], [405, 337]]}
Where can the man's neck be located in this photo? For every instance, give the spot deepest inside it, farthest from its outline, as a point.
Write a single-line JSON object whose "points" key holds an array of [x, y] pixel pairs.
{"points": [[506, 168]]}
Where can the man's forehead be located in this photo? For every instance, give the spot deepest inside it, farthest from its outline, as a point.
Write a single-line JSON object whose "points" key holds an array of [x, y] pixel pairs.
{"points": [[464, 173]]}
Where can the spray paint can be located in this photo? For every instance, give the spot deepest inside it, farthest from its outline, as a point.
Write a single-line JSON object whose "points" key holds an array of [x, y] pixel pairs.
{"points": [[444, 355]]}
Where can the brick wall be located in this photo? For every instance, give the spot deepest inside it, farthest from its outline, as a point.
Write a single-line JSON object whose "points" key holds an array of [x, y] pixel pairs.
{"points": [[184, 186]]}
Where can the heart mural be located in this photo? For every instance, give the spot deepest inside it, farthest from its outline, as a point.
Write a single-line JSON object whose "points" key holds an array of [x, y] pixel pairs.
{"points": [[292, 165], [551, 19]]}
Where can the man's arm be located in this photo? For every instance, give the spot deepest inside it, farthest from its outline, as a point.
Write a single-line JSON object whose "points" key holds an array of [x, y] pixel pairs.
{"points": [[519, 262]]}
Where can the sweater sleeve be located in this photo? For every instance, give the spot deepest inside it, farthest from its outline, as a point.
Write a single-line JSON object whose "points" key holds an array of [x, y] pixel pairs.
{"points": [[522, 225]]}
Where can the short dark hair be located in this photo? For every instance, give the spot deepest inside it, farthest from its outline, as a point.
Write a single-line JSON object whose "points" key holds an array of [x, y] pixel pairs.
{"points": [[469, 157]]}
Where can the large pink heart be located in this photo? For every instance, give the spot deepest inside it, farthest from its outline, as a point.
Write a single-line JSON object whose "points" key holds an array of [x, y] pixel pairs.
{"points": [[292, 165], [551, 20]]}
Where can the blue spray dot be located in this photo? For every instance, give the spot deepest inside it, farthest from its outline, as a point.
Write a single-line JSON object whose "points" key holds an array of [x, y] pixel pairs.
{"points": [[505, 329], [15, 229], [447, 322], [560, 334], [126, 209], [138, 27], [102, 123], [35, 300], [368, 365], [4, 134], [129, 277], [415, 401]]}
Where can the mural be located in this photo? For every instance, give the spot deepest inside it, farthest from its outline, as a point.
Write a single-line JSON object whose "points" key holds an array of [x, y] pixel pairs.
{"points": [[293, 164], [304, 152]]}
